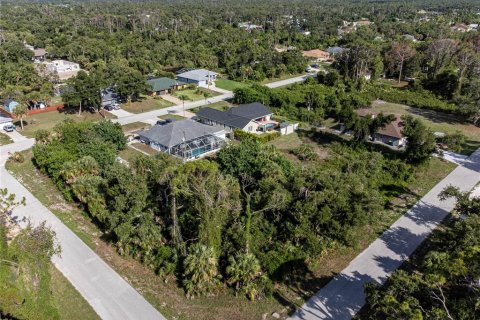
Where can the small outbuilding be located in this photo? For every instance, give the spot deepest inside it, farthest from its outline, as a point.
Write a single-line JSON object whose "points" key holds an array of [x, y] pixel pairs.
{"points": [[10, 105]]}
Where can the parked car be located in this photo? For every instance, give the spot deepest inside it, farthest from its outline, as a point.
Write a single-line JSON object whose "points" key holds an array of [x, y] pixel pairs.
{"points": [[9, 127], [108, 107], [115, 106], [164, 122]]}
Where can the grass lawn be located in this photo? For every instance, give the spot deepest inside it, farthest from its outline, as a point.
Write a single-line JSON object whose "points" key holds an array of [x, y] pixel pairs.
{"points": [[437, 121], [147, 104], [284, 77], [4, 139], [220, 105], [48, 120], [134, 126], [230, 84], [287, 143], [192, 95], [56, 100], [172, 116], [143, 147], [70, 304], [128, 154]]}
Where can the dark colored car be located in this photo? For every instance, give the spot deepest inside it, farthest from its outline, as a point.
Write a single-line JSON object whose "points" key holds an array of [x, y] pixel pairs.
{"points": [[108, 107]]}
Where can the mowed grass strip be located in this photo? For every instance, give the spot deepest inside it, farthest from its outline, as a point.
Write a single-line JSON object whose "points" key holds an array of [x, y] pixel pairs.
{"points": [[4, 139], [146, 104], [48, 120]]}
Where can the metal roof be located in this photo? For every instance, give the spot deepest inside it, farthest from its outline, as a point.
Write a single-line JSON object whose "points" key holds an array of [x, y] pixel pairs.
{"points": [[163, 83], [197, 74], [174, 133]]}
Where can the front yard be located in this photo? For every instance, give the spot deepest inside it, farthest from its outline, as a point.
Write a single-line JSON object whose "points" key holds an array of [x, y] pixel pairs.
{"points": [[4, 139], [48, 120], [230, 85], [220, 105], [146, 104], [194, 94]]}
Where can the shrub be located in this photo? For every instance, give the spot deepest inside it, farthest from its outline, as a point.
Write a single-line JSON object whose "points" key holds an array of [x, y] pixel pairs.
{"points": [[305, 152], [18, 157], [241, 135]]}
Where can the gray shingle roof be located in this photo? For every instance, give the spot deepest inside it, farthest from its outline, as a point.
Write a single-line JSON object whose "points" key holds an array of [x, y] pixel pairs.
{"points": [[236, 117], [197, 74], [174, 133]]}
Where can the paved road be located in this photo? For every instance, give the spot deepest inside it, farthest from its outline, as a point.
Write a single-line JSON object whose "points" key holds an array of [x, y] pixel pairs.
{"points": [[109, 295], [343, 296], [148, 116]]}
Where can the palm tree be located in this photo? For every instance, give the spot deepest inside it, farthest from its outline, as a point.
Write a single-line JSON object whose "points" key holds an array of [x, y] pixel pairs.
{"points": [[206, 95], [183, 97], [21, 112], [201, 271]]}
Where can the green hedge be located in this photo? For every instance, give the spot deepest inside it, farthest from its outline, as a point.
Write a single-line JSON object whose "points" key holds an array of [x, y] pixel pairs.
{"points": [[241, 135]]}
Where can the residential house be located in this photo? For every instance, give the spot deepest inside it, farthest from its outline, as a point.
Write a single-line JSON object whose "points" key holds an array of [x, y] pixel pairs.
{"points": [[249, 26], [335, 51], [316, 55], [185, 139], [10, 105], [39, 54], [199, 77], [63, 68], [251, 117], [163, 85], [391, 134]]}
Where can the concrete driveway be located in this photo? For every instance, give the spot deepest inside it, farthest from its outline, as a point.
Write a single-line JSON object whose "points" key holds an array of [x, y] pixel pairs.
{"points": [[15, 136], [343, 296]]}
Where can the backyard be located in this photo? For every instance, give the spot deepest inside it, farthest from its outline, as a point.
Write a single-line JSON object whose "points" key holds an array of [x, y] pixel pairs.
{"points": [[48, 120], [146, 104], [437, 121]]}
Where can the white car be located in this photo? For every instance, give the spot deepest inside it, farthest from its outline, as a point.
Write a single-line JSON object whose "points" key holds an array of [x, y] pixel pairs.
{"points": [[116, 106]]}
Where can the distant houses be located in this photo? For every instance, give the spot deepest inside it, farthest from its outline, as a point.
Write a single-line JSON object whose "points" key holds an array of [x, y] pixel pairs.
{"points": [[39, 54], [335, 51], [164, 85], [251, 117], [184, 139], [317, 55], [63, 68], [199, 77]]}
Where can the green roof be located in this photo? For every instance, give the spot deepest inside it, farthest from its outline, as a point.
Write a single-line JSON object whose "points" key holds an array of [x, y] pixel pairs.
{"points": [[163, 83]]}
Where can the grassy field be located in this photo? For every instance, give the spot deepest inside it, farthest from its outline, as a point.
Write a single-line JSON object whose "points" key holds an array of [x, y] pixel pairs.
{"points": [[143, 147], [284, 77], [437, 121], [128, 154], [4, 139], [70, 304], [192, 95], [48, 120], [230, 84], [220, 105], [147, 104], [134, 126], [56, 100]]}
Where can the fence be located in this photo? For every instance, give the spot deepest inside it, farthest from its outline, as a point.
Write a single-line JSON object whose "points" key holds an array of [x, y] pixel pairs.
{"points": [[47, 109]]}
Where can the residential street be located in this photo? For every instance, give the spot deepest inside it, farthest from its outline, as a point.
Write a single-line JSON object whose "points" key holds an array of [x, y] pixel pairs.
{"points": [[108, 294], [343, 296]]}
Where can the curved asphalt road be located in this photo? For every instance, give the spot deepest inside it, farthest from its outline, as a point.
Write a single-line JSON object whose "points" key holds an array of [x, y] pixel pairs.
{"points": [[343, 296]]}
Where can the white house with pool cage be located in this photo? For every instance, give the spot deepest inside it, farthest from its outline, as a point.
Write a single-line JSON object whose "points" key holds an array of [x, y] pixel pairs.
{"points": [[185, 139]]}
